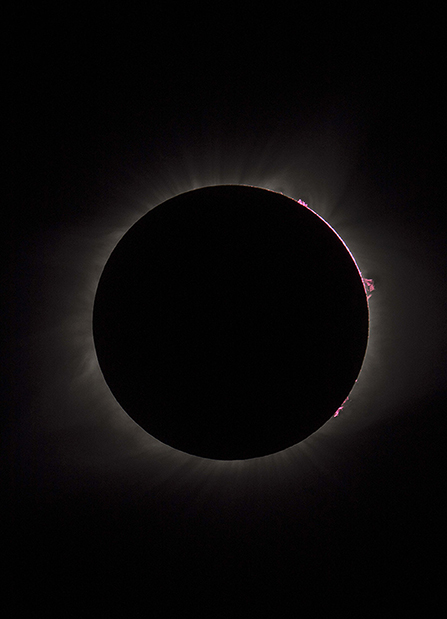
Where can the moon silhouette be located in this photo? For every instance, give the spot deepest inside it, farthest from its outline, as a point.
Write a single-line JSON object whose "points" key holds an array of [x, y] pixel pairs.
{"points": [[230, 322]]}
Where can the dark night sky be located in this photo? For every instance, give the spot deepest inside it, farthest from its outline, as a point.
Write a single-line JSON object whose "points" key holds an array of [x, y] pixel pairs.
{"points": [[106, 121]]}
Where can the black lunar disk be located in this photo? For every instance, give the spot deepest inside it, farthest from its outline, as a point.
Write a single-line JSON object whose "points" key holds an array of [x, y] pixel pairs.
{"points": [[230, 322]]}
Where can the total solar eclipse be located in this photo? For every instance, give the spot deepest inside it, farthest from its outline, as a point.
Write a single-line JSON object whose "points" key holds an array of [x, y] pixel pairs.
{"points": [[230, 322]]}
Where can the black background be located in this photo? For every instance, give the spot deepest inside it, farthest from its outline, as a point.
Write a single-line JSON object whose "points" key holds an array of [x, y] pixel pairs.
{"points": [[114, 113]]}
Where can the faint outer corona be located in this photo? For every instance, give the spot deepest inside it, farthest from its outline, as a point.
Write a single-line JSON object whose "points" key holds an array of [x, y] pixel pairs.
{"points": [[230, 322]]}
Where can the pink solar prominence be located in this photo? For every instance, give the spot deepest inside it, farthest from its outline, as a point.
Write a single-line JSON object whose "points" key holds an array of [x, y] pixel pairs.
{"points": [[369, 286], [369, 289]]}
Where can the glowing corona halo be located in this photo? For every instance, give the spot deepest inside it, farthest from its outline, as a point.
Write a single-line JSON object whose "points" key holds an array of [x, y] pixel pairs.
{"points": [[231, 322]]}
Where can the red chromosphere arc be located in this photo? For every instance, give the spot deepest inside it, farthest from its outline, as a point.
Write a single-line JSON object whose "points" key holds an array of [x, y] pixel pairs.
{"points": [[230, 322]]}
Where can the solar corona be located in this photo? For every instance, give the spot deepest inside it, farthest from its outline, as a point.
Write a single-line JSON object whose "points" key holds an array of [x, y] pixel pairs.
{"points": [[231, 322]]}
